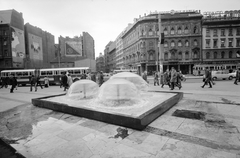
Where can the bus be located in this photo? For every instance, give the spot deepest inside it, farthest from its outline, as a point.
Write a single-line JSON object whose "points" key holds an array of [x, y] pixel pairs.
{"points": [[124, 70], [53, 74], [199, 70]]}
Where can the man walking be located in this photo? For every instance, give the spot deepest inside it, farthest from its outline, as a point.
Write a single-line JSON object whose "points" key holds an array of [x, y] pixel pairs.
{"points": [[237, 76], [156, 81], [208, 78], [173, 79], [165, 80], [12, 83]]}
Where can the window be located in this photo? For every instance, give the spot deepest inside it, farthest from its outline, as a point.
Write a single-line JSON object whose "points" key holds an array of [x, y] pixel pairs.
{"points": [[195, 29], [222, 54], [179, 43], [238, 42], [142, 32], [215, 43], [238, 31], [186, 30], [215, 55], [207, 43], [230, 32], [180, 55], [223, 42], [172, 44], [165, 31], [150, 32], [166, 56], [165, 44], [173, 55], [172, 31], [230, 41], [215, 32], [195, 55], [207, 32], [195, 42], [179, 30], [151, 56], [230, 54], [186, 43], [207, 55], [222, 32], [186, 55]]}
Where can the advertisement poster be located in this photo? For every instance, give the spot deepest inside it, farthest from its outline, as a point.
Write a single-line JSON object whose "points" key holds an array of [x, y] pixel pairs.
{"points": [[18, 48], [73, 48], [35, 49]]}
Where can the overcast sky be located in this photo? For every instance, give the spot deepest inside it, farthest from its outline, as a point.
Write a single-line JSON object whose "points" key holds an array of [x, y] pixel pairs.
{"points": [[102, 19]]}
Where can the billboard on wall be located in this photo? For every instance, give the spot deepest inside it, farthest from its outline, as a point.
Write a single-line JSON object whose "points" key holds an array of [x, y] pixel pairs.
{"points": [[18, 48], [73, 48], [35, 48]]}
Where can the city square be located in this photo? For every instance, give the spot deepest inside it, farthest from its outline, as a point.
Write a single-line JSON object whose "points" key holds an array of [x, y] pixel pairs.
{"points": [[38, 132], [119, 79]]}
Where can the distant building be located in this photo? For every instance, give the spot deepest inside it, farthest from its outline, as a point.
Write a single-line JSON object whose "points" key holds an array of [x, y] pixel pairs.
{"points": [[107, 57], [12, 42], [221, 39], [40, 48], [75, 52], [100, 66]]}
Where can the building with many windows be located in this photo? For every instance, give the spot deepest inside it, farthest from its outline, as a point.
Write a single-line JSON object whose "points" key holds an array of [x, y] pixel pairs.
{"points": [[12, 41], [221, 38], [182, 43]]}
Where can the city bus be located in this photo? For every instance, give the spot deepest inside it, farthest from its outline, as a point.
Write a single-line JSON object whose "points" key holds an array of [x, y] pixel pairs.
{"points": [[199, 70], [53, 74]]}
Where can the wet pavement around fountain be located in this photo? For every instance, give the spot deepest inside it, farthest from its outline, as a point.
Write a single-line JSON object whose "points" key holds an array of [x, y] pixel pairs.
{"points": [[41, 133]]}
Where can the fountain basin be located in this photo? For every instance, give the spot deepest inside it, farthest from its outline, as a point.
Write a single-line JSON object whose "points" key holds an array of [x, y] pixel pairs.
{"points": [[153, 104]]}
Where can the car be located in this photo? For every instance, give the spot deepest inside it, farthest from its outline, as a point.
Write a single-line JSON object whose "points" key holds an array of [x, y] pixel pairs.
{"points": [[232, 75], [222, 74]]}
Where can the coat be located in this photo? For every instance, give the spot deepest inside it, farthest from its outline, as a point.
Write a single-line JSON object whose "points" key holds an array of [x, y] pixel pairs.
{"points": [[173, 76]]}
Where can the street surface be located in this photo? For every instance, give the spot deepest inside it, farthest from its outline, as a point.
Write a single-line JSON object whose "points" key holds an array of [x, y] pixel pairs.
{"points": [[41, 133]]}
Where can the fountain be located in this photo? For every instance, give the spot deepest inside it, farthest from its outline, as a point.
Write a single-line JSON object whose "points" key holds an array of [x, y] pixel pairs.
{"points": [[123, 100]]}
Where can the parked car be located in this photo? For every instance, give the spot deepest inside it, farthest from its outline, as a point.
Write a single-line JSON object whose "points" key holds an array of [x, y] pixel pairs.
{"points": [[232, 75], [222, 74]]}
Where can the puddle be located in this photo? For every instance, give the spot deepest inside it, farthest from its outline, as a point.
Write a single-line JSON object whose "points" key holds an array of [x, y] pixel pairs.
{"points": [[121, 132], [197, 115], [7, 151]]}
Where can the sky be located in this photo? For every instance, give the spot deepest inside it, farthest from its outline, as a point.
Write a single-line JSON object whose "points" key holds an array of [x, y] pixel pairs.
{"points": [[104, 20]]}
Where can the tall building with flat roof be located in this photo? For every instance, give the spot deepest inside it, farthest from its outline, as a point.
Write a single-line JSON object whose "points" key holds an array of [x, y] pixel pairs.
{"points": [[12, 42], [221, 39]]}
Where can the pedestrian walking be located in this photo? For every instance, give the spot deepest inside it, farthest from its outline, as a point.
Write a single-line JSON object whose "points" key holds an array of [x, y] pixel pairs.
{"points": [[38, 83], [33, 81], [207, 79], [237, 76], [12, 82], [156, 80], [64, 81], [69, 80], [46, 82], [16, 82], [166, 79], [173, 79], [179, 79]]}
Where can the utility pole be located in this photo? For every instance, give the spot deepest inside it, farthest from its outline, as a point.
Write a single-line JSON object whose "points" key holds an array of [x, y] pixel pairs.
{"points": [[160, 46]]}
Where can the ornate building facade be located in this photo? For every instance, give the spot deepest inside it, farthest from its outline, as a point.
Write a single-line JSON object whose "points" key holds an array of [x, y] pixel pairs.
{"points": [[182, 44], [221, 39]]}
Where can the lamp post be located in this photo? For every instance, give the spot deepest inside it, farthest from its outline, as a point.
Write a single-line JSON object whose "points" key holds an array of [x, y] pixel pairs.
{"points": [[160, 46]]}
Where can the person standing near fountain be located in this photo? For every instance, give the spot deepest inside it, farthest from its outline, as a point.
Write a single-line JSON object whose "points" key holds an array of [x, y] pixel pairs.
{"points": [[144, 76], [64, 81], [173, 79], [100, 78], [69, 80]]}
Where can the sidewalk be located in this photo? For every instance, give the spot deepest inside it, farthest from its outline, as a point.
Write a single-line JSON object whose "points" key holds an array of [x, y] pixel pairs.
{"points": [[43, 133]]}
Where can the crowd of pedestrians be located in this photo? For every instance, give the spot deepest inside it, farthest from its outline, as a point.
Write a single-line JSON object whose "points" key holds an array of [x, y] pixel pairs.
{"points": [[170, 78]]}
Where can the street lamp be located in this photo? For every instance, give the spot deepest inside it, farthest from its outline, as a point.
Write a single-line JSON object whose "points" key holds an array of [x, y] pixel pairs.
{"points": [[160, 45]]}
